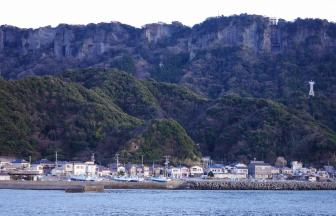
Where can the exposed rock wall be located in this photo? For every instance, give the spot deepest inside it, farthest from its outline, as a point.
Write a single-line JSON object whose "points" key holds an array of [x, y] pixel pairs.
{"points": [[97, 44]]}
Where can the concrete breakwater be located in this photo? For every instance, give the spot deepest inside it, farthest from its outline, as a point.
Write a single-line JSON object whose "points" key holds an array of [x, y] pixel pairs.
{"points": [[73, 185], [172, 185], [268, 185]]}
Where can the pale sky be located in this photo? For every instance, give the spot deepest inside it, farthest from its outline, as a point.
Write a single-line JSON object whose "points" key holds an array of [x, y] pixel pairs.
{"points": [[37, 13]]}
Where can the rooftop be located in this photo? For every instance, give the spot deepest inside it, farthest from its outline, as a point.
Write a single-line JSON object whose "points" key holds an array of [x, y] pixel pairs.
{"points": [[19, 161]]}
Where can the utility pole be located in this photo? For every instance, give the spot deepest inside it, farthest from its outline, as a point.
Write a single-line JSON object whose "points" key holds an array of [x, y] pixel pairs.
{"points": [[117, 159], [153, 167], [93, 157], [142, 163], [29, 159], [166, 165], [56, 162]]}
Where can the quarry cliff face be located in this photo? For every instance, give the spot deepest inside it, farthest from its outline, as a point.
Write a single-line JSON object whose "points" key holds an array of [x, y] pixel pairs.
{"points": [[32, 51]]}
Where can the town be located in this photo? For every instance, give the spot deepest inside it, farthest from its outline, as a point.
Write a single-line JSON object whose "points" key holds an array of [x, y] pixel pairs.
{"points": [[12, 168]]}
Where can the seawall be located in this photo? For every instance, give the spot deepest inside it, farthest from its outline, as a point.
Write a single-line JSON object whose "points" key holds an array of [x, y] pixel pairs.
{"points": [[172, 185], [268, 185], [65, 185]]}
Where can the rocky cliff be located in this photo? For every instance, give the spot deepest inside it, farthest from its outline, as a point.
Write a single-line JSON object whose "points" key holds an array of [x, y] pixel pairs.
{"points": [[49, 50]]}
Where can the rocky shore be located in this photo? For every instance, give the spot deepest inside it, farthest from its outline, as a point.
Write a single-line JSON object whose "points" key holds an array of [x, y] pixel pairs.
{"points": [[268, 185]]}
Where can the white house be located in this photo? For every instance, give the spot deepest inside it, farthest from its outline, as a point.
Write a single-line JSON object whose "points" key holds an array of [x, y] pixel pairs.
{"points": [[6, 161], [20, 164], [196, 171], [174, 172], [79, 168], [216, 168], [240, 169], [90, 168], [185, 171], [36, 168], [103, 171], [63, 168], [296, 166]]}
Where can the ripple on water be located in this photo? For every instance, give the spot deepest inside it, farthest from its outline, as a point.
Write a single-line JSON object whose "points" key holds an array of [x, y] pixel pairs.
{"points": [[164, 202]]}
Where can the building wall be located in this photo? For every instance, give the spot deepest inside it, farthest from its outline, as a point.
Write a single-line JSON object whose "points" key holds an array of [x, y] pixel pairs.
{"points": [[260, 171]]}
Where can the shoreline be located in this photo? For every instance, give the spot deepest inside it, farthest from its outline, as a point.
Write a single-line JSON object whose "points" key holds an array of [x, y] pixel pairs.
{"points": [[172, 185]]}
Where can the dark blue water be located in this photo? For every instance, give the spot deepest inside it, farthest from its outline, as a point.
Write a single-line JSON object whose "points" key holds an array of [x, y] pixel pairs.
{"points": [[163, 202]]}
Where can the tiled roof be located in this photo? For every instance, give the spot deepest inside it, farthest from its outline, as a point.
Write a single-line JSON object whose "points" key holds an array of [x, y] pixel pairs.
{"points": [[219, 166], [19, 161]]}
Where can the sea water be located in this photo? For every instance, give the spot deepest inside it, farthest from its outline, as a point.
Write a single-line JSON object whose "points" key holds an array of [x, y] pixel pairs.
{"points": [[166, 202]]}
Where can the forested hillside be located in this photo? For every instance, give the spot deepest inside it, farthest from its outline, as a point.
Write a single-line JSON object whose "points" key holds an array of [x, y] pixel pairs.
{"points": [[233, 87]]}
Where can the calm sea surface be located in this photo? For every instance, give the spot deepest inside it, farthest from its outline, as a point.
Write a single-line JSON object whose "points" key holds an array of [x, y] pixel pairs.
{"points": [[163, 202]]}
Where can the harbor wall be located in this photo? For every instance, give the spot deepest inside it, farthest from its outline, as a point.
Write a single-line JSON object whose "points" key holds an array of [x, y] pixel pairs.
{"points": [[267, 185], [65, 185], [172, 185]]}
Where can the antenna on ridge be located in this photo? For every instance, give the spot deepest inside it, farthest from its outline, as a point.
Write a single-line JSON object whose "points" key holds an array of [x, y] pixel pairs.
{"points": [[311, 90]]}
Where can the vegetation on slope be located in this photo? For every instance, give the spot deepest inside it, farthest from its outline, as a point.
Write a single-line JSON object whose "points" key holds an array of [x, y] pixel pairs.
{"points": [[106, 112], [40, 115], [164, 137]]}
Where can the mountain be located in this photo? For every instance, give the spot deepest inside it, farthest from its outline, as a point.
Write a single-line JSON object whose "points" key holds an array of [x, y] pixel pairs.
{"points": [[213, 79], [92, 110], [41, 115]]}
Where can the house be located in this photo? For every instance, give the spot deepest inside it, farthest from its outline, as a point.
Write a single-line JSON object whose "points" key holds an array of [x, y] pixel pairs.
{"points": [[4, 177], [5, 161], [46, 164], [322, 175], [90, 168], [275, 170], [240, 169], [145, 171], [216, 168], [157, 170], [78, 168], [259, 170], [286, 171], [206, 161], [312, 178], [103, 171], [63, 168], [131, 169], [179, 172], [196, 171], [174, 172], [296, 166], [137, 170], [36, 168], [117, 169], [20, 164], [184, 172], [141, 170], [312, 170], [330, 170]]}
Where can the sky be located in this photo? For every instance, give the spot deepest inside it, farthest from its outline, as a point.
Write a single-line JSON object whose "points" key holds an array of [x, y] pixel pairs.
{"points": [[38, 13]]}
